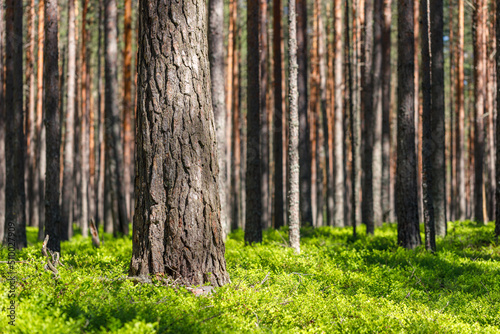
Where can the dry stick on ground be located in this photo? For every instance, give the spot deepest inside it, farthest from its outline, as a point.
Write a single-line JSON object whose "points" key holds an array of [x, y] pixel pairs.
{"points": [[95, 234], [52, 259]]}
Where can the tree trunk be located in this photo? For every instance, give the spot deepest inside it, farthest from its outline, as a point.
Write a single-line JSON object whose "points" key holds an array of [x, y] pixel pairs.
{"points": [[387, 207], [497, 144], [112, 124], [177, 229], [2, 124], [84, 127], [128, 137], [438, 185], [15, 203], [376, 125], [460, 133], [367, 204], [304, 136], [216, 56], [69, 145], [264, 123], [427, 138], [253, 226], [478, 108], [53, 139], [293, 140], [406, 173], [418, 106], [278, 116], [99, 172], [312, 112]]}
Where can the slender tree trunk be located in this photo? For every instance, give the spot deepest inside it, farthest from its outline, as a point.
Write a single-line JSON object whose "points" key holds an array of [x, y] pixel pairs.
{"points": [[304, 136], [278, 116], [451, 181], [84, 127], [113, 136], [427, 138], [293, 140], [254, 223], [176, 150], [236, 185], [40, 129], [376, 125], [438, 185], [491, 90], [418, 106], [216, 56], [53, 139], [460, 133], [264, 123], [100, 174], [2, 124], [367, 204], [406, 173], [478, 109], [497, 144], [69, 145], [30, 119], [387, 207], [128, 137], [15, 203], [312, 112]]}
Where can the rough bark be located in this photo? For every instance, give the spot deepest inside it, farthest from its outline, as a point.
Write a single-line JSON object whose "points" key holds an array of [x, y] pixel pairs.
{"points": [[304, 136], [376, 125], [293, 140], [338, 118], [253, 226], [216, 56], [406, 173], [15, 201], [278, 116], [112, 123], [53, 139], [428, 144], [177, 230], [460, 133], [387, 207], [367, 205], [478, 109], [69, 145], [2, 123], [438, 185], [497, 130]]}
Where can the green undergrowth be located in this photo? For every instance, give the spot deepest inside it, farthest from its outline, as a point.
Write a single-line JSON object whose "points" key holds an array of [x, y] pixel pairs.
{"points": [[336, 284]]}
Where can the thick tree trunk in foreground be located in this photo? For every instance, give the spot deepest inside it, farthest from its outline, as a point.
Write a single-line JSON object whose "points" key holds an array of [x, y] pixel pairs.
{"points": [[497, 145], [2, 124], [69, 145], [253, 226], [427, 138], [438, 185], [406, 173], [113, 136], [53, 139], [293, 140], [216, 56], [15, 201], [177, 228]]}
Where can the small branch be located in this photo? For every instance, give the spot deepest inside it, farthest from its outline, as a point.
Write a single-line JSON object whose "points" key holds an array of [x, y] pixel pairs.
{"points": [[95, 234]]}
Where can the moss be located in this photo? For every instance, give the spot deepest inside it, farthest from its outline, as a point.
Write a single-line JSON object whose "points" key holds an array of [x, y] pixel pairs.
{"points": [[336, 284]]}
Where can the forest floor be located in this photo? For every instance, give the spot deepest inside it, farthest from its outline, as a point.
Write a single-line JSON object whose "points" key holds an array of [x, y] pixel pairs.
{"points": [[337, 284]]}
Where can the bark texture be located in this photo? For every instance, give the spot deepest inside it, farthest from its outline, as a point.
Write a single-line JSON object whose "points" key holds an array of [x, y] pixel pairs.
{"points": [[128, 107], [2, 124], [406, 173], [460, 134], [293, 140], [15, 200], [112, 116], [497, 144], [177, 230], [216, 56], [53, 139]]}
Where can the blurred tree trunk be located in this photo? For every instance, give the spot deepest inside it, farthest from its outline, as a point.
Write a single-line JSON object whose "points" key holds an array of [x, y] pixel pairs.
{"points": [[293, 140], [15, 201], [328, 119], [451, 179], [460, 133], [387, 203], [84, 126], [497, 143], [53, 136], [2, 123], [127, 120], [418, 107], [112, 124], [304, 131], [312, 112], [479, 71], [264, 123], [69, 145], [99, 172], [216, 56], [176, 146], [406, 173], [254, 223]]}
